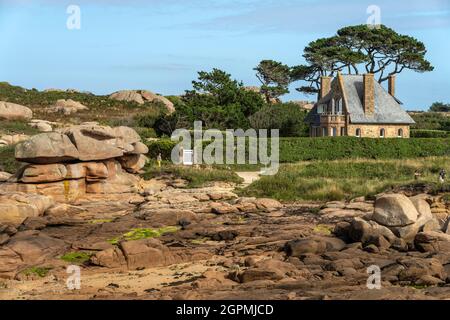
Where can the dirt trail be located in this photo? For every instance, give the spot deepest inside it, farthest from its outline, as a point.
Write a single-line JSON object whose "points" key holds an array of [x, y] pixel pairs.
{"points": [[249, 177]]}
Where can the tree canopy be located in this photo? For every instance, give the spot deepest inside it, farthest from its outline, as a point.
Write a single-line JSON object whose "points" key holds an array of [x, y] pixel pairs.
{"points": [[440, 107], [217, 100], [275, 79], [358, 49]]}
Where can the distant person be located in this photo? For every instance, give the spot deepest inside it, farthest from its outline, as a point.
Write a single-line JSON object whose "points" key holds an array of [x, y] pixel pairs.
{"points": [[417, 175], [442, 176], [159, 160]]}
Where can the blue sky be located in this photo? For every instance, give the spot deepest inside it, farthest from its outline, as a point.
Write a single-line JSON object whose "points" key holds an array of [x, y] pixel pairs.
{"points": [[161, 44]]}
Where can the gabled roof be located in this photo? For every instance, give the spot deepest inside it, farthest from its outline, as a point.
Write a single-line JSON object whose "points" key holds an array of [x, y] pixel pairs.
{"points": [[387, 108]]}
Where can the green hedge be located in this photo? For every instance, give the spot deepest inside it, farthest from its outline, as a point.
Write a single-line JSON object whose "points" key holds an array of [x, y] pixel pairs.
{"points": [[307, 149], [419, 133]]}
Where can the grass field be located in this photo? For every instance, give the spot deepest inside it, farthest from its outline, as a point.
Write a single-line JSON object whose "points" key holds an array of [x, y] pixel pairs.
{"points": [[345, 179]]}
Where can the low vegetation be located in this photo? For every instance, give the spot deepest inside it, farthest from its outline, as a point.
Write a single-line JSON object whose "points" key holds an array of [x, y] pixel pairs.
{"points": [[346, 179], [7, 161], [196, 177], [77, 257], [101, 108], [16, 127], [431, 121], [38, 271], [306, 149], [143, 233]]}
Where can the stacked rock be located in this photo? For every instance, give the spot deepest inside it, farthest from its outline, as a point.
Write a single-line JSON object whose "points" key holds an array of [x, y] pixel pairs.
{"points": [[87, 158]]}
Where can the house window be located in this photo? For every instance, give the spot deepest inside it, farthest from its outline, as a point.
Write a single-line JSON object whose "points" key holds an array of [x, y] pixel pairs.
{"points": [[358, 133], [339, 106], [324, 132], [343, 133], [334, 131], [400, 133], [322, 108], [382, 133]]}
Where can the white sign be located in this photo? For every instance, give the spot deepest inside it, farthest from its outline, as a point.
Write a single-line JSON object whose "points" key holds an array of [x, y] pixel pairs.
{"points": [[188, 157]]}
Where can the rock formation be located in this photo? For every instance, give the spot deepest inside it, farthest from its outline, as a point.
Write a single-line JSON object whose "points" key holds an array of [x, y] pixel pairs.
{"points": [[141, 97], [87, 158], [67, 107], [12, 111], [12, 139], [42, 125]]}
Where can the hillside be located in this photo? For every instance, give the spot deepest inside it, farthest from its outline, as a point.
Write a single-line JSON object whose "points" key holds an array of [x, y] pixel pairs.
{"points": [[100, 108]]}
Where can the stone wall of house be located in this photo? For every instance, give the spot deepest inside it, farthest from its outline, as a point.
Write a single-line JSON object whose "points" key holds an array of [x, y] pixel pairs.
{"points": [[374, 131], [367, 131]]}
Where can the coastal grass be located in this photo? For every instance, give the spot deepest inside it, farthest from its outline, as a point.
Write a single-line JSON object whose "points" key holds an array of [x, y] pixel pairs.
{"points": [[38, 271], [8, 162], [195, 176], [143, 233], [77, 257], [346, 179]]}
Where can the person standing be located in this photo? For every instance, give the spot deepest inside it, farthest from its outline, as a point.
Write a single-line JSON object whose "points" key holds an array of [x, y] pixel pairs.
{"points": [[159, 160], [442, 176]]}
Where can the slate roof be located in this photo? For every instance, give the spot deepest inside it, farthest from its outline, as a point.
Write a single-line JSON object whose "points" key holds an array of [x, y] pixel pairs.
{"points": [[387, 108]]}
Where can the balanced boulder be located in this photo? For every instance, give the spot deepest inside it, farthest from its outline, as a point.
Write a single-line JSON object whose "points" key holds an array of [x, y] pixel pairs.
{"points": [[141, 97], [47, 148]]}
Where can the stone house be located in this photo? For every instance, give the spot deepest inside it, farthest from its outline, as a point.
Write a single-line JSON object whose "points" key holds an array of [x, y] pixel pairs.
{"points": [[358, 106]]}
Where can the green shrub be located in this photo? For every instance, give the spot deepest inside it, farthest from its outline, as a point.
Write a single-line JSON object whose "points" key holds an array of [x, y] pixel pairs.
{"points": [[38, 271], [145, 133], [163, 146], [307, 149], [287, 117], [431, 121], [78, 257], [422, 133]]}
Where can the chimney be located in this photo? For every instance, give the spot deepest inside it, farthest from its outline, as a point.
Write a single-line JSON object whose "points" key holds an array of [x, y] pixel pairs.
{"points": [[392, 85], [325, 86], [369, 94]]}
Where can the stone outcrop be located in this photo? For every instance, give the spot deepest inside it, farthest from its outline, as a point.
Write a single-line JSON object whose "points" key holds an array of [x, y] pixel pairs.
{"points": [[67, 107], [16, 207], [79, 160], [12, 111], [42, 125], [397, 222], [12, 139], [141, 97]]}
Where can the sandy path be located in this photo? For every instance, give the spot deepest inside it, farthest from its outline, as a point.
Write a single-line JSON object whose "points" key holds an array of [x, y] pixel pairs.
{"points": [[249, 177]]}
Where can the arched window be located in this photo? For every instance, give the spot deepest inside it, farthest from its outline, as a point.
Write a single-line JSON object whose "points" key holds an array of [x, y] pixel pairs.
{"points": [[358, 133], [400, 133], [382, 133]]}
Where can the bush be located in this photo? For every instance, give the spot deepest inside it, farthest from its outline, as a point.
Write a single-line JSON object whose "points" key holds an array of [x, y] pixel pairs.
{"points": [[422, 133], [287, 117], [146, 133], [163, 146], [308, 149], [431, 121]]}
